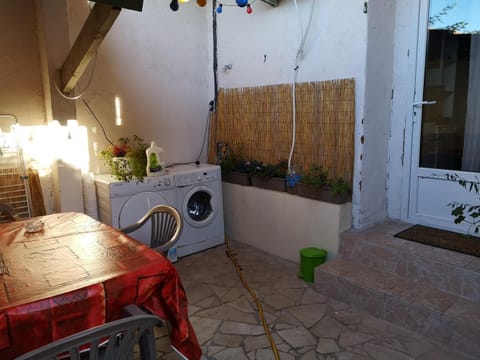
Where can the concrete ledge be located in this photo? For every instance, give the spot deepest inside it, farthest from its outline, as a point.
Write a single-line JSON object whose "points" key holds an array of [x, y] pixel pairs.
{"points": [[282, 224]]}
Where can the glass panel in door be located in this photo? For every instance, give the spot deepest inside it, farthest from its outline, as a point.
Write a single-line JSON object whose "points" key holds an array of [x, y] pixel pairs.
{"points": [[450, 134]]}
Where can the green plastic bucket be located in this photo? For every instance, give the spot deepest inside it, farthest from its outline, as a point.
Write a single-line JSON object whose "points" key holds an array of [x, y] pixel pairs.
{"points": [[310, 258]]}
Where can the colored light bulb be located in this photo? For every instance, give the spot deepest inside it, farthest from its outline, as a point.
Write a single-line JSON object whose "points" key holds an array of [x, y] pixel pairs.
{"points": [[242, 3], [219, 8], [201, 3], [174, 5], [249, 9]]}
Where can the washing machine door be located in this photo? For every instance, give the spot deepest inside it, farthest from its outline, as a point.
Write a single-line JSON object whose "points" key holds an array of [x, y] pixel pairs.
{"points": [[199, 206], [134, 208]]}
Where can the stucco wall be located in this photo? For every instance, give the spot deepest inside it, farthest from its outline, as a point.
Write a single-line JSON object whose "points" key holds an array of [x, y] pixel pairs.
{"points": [[373, 147], [21, 91], [156, 62]]}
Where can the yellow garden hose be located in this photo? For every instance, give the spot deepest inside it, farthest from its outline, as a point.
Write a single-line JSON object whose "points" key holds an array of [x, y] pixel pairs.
{"points": [[238, 268]]}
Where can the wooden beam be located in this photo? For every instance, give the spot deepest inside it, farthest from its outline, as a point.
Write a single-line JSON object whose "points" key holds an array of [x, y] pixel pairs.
{"points": [[124, 4], [93, 32]]}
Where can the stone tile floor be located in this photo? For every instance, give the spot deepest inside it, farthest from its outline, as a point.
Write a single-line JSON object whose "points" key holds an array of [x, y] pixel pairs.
{"points": [[304, 324]]}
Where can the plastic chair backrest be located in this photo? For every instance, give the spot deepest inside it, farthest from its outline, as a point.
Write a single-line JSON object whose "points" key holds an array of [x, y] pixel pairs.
{"points": [[166, 226], [7, 213], [114, 340]]}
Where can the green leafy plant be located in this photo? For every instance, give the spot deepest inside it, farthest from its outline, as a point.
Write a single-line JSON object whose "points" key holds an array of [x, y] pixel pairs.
{"points": [[126, 158], [340, 186], [315, 176], [233, 161], [465, 212], [259, 168]]}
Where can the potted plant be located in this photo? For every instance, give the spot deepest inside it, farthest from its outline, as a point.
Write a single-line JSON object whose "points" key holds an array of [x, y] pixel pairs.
{"points": [[234, 168], [315, 184], [127, 158], [269, 176]]}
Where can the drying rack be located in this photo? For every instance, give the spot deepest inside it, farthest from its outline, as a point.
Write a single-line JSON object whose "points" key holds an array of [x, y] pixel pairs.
{"points": [[14, 182]]}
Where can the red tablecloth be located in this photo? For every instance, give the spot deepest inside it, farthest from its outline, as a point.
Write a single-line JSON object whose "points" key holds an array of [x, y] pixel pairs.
{"points": [[77, 273]]}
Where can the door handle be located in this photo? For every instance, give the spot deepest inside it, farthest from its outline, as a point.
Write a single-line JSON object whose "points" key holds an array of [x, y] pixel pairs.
{"points": [[424, 102]]}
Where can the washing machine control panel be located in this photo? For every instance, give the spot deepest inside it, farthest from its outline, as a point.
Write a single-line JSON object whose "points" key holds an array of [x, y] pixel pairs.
{"points": [[198, 177], [158, 183]]}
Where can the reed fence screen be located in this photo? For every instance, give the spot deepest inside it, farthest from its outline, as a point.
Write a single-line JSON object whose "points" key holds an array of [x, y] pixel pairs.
{"points": [[257, 122]]}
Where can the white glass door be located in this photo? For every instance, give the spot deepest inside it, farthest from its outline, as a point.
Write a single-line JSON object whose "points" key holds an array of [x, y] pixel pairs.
{"points": [[446, 110]]}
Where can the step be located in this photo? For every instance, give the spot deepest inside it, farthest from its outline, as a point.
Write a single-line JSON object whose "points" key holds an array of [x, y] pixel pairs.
{"points": [[450, 271], [450, 319]]}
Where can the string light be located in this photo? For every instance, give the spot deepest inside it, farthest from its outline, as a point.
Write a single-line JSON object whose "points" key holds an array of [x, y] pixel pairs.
{"points": [[239, 3]]}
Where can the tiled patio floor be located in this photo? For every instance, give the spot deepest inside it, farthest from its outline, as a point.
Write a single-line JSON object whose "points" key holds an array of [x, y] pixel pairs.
{"points": [[304, 324]]}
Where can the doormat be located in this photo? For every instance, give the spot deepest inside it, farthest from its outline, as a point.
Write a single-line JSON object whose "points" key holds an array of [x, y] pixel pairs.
{"points": [[449, 240]]}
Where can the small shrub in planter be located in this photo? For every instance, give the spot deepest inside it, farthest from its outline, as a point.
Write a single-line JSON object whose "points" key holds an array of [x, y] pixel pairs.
{"points": [[268, 176], [315, 184], [234, 169]]}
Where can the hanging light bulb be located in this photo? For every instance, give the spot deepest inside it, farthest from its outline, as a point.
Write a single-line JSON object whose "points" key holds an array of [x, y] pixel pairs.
{"points": [[174, 5], [184, 1], [242, 3], [249, 9], [219, 8], [201, 3]]}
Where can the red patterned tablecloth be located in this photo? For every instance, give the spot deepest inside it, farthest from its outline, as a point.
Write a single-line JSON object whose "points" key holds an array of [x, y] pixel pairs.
{"points": [[77, 273]]}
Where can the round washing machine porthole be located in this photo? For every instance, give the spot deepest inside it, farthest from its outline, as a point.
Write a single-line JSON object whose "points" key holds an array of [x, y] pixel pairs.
{"points": [[199, 206]]}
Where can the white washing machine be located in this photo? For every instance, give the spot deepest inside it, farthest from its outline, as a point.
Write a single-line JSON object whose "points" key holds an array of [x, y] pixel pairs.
{"points": [[200, 202], [123, 203]]}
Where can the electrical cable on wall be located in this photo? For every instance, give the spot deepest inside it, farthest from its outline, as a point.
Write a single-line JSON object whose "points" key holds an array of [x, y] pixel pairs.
{"points": [[205, 131], [298, 58]]}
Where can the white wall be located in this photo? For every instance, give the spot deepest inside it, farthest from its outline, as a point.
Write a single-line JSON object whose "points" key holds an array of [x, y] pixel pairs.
{"points": [[335, 48], [373, 147], [156, 61]]}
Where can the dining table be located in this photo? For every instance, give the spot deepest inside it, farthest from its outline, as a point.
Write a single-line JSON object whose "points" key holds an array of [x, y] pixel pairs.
{"points": [[66, 272]]}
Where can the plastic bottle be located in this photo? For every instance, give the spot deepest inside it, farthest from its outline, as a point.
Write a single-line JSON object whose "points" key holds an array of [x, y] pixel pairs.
{"points": [[155, 162]]}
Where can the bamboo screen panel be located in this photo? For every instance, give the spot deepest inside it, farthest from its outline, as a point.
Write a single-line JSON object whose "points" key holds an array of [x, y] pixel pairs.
{"points": [[257, 122]]}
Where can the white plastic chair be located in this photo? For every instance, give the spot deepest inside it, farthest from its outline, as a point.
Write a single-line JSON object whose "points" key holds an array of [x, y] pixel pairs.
{"points": [[166, 226], [111, 341]]}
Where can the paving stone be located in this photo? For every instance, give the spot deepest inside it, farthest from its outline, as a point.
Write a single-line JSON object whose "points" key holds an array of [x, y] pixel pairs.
{"points": [[309, 314], [227, 340], [226, 312], [204, 328], [213, 349], [255, 342], [310, 296], [208, 302], [231, 327], [243, 304], [328, 327], [236, 353], [327, 346], [350, 338], [311, 355], [297, 337], [278, 301]]}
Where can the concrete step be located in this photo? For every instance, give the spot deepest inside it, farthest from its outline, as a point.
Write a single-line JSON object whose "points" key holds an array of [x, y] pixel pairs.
{"points": [[442, 316], [450, 271]]}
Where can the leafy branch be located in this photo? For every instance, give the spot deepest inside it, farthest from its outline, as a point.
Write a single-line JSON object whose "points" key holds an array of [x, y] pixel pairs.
{"points": [[462, 212]]}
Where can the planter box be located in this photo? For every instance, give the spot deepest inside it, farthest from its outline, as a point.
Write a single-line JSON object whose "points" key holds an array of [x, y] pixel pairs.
{"points": [[276, 184], [235, 177], [322, 194]]}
